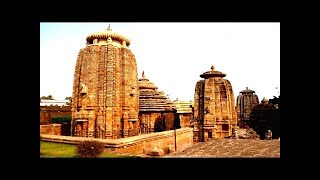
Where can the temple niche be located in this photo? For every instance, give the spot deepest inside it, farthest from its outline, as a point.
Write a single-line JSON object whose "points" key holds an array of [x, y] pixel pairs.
{"points": [[246, 100], [156, 111], [214, 107], [105, 88], [184, 112]]}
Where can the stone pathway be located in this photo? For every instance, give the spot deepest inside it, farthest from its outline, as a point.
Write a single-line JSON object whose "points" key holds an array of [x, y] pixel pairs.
{"points": [[231, 148]]}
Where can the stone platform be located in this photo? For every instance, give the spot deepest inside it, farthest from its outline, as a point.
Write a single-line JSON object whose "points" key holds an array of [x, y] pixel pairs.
{"points": [[231, 148]]}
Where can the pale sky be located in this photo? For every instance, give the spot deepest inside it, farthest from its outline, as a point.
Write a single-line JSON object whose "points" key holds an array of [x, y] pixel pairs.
{"points": [[172, 55]]}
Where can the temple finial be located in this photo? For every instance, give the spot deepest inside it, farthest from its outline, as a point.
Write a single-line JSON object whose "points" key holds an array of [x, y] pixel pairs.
{"points": [[247, 88], [109, 28], [212, 68], [142, 74]]}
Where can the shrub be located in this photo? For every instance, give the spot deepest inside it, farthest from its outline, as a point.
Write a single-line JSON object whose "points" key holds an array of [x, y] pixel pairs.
{"points": [[61, 119], [90, 149]]}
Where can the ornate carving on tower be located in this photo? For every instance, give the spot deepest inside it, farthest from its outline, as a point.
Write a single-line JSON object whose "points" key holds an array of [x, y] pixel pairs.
{"points": [[245, 102], [109, 40], [214, 107], [84, 89], [105, 88], [124, 43]]}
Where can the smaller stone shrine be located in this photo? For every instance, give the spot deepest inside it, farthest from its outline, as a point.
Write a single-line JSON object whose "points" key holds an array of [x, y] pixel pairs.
{"points": [[214, 107], [156, 111], [246, 100], [184, 112]]}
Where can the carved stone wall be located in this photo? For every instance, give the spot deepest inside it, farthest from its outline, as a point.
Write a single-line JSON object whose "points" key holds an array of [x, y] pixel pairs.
{"points": [[156, 121], [186, 119]]}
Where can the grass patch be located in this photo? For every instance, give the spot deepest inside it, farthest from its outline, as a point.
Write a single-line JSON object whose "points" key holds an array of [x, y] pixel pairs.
{"points": [[49, 149], [60, 150]]}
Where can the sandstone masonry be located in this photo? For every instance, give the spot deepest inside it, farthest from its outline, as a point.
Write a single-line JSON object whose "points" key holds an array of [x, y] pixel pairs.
{"points": [[214, 107], [105, 89]]}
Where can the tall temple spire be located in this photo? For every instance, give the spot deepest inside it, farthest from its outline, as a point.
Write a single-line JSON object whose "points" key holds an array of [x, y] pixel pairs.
{"points": [[97, 121], [109, 28], [213, 119]]}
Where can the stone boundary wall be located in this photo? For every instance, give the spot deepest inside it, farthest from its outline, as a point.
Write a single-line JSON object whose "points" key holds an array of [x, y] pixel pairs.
{"points": [[48, 112], [50, 129], [136, 144]]}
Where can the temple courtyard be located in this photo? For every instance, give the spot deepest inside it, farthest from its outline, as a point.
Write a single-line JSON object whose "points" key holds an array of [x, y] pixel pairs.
{"points": [[231, 148]]}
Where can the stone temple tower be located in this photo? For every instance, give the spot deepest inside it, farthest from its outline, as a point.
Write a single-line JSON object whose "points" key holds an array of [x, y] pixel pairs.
{"points": [[214, 107], [105, 88], [245, 102]]}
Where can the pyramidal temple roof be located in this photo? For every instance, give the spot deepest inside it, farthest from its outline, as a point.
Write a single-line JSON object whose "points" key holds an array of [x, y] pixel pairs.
{"points": [[152, 100]]}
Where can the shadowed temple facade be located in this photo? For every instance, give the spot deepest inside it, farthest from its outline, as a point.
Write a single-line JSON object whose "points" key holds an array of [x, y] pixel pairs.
{"points": [[246, 100]]}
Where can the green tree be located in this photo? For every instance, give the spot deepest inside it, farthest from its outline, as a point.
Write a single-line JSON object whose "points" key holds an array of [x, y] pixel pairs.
{"points": [[49, 97], [70, 100], [61, 119]]}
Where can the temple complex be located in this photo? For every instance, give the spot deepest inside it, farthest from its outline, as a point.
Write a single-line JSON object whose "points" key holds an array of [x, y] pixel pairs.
{"points": [[214, 107], [184, 112], [245, 101], [156, 111], [105, 88]]}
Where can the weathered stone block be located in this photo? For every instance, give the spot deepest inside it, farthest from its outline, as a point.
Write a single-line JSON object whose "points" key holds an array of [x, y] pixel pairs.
{"points": [[156, 152], [170, 149]]}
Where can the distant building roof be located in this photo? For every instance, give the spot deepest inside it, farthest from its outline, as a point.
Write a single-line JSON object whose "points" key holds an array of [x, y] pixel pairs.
{"points": [[46, 102], [246, 91], [183, 106]]}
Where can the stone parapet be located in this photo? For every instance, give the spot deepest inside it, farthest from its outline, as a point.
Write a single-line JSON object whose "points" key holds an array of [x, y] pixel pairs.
{"points": [[136, 144], [50, 129]]}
